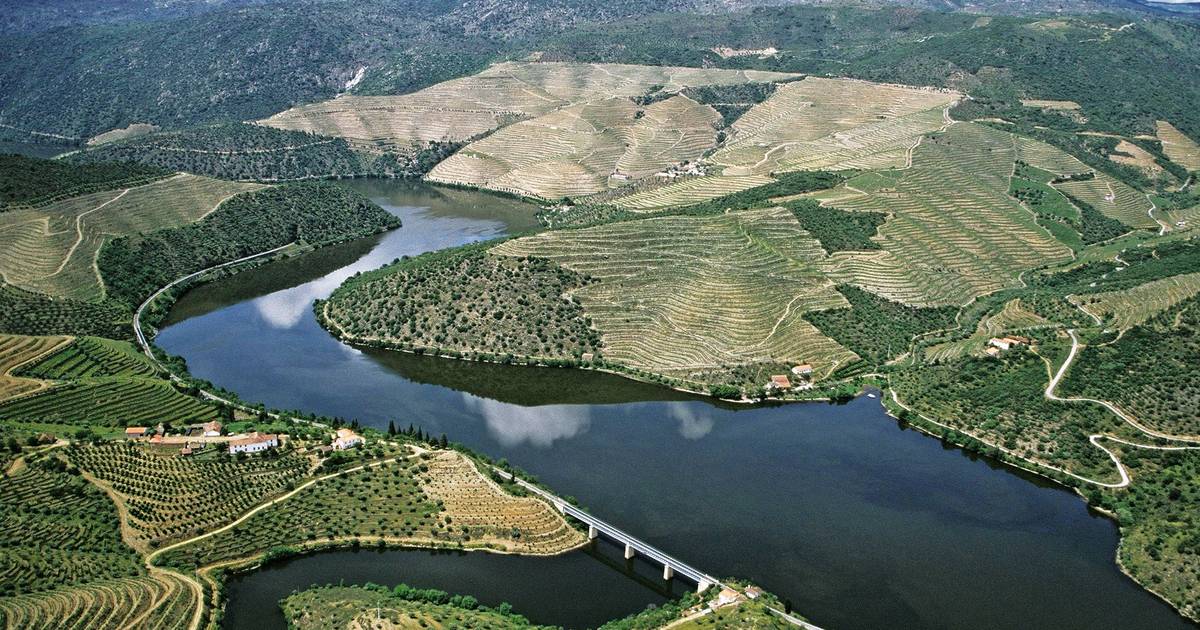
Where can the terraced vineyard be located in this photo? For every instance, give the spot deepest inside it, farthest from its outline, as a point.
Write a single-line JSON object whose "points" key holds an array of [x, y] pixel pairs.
{"points": [[52, 249], [1107, 194], [690, 191], [584, 149], [472, 503], [15, 352], [1128, 308], [28, 313], [58, 530], [169, 497], [91, 357], [1012, 318], [813, 124], [953, 232], [832, 124], [462, 109], [162, 600], [111, 402], [392, 501], [1180, 148], [691, 297]]}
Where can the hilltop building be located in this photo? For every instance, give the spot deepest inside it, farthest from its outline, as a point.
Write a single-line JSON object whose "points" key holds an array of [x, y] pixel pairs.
{"points": [[346, 439]]}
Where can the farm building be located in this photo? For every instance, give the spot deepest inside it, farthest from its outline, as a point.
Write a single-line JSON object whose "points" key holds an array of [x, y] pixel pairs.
{"points": [[136, 432], [803, 369], [212, 429], [779, 381], [346, 439], [254, 443], [1005, 343]]}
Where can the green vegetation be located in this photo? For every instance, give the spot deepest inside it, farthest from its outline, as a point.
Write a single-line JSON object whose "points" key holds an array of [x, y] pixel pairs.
{"points": [[1094, 226], [105, 383], [1160, 522], [28, 313], [731, 101], [468, 302], [26, 181], [241, 151], [836, 229], [310, 213], [111, 402], [875, 328], [169, 497], [56, 529], [781, 186], [91, 357], [999, 401], [329, 607], [341, 510], [1150, 372]]}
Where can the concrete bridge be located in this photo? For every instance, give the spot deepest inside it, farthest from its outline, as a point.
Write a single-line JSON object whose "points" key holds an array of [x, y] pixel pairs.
{"points": [[633, 546]]}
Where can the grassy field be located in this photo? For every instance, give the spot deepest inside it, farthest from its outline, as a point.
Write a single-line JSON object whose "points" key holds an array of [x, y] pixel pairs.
{"points": [[1180, 148], [15, 352], [584, 149], [53, 249], [692, 297], [461, 109]]}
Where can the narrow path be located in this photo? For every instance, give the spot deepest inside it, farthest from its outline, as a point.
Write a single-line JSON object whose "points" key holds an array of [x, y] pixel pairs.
{"points": [[79, 231], [262, 506], [1062, 370]]}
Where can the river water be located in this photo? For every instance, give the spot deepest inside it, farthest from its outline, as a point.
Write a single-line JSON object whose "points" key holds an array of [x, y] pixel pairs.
{"points": [[859, 523]]}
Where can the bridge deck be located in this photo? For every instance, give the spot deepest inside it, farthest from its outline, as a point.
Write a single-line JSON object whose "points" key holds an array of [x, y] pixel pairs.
{"points": [[682, 568]]}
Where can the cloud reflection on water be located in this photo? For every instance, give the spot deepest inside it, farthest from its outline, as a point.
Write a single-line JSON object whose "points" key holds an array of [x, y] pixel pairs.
{"points": [[692, 425], [513, 425]]}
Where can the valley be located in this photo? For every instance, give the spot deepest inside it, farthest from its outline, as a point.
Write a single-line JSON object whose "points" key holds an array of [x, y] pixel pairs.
{"points": [[335, 315]]}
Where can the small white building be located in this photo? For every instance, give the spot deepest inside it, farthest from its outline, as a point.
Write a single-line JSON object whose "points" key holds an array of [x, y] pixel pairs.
{"points": [[254, 443], [212, 429], [346, 439]]}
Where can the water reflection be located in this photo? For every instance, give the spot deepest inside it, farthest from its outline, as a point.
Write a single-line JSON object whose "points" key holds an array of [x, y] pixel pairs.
{"points": [[692, 425], [860, 524], [512, 425]]}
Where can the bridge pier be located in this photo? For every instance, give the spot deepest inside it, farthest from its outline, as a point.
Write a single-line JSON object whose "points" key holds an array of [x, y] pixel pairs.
{"points": [[702, 586], [629, 552], [668, 572], [593, 532]]}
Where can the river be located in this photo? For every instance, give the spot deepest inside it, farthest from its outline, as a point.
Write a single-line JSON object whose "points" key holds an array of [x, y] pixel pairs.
{"points": [[856, 521]]}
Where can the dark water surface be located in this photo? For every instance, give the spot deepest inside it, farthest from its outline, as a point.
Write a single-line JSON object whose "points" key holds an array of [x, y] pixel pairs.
{"points": [[859, 523]]}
